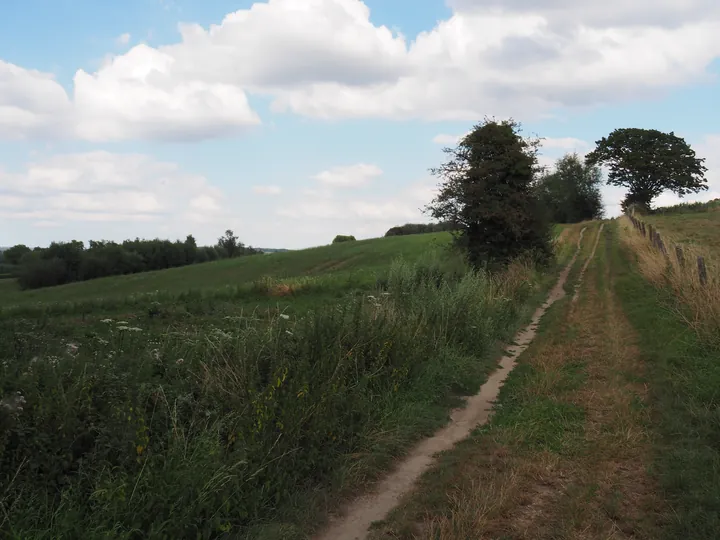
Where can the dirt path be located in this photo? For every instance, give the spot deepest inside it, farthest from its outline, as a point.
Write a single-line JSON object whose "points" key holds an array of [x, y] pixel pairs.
{"points": [[587, 262], [566, 454], [356, 521]]}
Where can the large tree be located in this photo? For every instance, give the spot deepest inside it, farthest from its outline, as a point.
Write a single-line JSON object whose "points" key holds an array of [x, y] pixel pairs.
{"points": [[571, 192], [486, 193], [648, 162]]}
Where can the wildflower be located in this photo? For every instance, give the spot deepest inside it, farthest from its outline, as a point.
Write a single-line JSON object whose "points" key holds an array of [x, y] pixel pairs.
{"points": [[122, 327], [155, 354], [72, 348], [179, 361], [123, 322], [371, 297], [386, 294], [106, 321], [134, 329], [13, 403], [283, 316], [288, 332]]}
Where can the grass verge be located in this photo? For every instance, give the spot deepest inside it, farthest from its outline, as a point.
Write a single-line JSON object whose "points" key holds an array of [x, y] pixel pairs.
{"points": [[685, 382]]}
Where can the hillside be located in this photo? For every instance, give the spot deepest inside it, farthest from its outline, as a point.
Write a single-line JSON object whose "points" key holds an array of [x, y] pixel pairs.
{"points": [[359, 261]]}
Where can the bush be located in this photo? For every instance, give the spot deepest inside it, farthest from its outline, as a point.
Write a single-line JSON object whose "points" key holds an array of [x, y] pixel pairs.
{"points": [[343, 238]]}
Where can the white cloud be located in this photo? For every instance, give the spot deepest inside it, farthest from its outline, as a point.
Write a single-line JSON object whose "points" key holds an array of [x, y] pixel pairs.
{"points": [[136, 95], [524, 59], [130, 193], [123, 39], [267, 190], [564, 143], [356, 175], [32, 104]]}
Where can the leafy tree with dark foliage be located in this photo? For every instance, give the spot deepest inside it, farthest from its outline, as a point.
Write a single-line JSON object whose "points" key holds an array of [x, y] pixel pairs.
{"points": [[14, 254], [571, 193], [648, 162], [487, 193], [418, 228], [343, 238]]}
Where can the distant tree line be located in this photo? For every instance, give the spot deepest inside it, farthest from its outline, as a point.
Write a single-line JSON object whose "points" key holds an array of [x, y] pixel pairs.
{"points": [[419, 228], [65, 262]]}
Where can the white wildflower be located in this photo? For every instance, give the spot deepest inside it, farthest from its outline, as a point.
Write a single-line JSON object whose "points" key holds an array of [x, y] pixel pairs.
{"points": [[106, 321], [386, 294], [123, 322], [72, 348], [122, 327], [13, 403], [371, 297], [283, 316], [134, 329], [179, 361], [288, 332]]}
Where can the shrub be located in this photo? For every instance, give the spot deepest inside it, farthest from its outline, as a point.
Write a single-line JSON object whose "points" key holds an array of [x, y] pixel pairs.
{"points": [[343, 238]]}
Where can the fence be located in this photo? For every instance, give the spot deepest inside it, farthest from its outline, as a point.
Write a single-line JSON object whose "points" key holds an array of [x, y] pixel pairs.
{"points": [[656, 240]]}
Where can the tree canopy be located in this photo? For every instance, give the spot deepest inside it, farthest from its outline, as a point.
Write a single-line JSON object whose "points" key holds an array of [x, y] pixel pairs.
{"points": [[571, 192], [648, 162], [486, 192]]}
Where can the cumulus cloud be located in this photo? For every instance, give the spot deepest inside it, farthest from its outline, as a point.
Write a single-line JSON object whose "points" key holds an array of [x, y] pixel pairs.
{"points": [[523, 58], [102, 187], [32, 103], [356, 175]]}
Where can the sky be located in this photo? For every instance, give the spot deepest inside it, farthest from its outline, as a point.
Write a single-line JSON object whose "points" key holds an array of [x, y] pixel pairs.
{"points": [[292, 121]]}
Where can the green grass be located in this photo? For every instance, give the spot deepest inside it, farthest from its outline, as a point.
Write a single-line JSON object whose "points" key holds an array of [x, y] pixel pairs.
{"points": [[699, 228], [684, 378], [356, 261], [194, 413]]}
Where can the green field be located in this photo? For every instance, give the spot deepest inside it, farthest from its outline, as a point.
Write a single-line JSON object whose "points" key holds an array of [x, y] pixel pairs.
{"points": [[242, 397], [699, 228], [358, 262]]}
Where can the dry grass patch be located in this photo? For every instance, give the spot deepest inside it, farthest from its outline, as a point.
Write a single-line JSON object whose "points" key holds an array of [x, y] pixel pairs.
{"points": [[698, 304]]}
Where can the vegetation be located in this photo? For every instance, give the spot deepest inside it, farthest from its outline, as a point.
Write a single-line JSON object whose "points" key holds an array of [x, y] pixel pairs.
{"points": [[678, 325], [487, 193], [186, 419], [649, 162], [571, 192], [343, 238], [66, 262], [419, 228]]}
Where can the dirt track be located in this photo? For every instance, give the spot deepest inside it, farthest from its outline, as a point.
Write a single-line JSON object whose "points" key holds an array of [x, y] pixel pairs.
{"points": [[357, 518]]}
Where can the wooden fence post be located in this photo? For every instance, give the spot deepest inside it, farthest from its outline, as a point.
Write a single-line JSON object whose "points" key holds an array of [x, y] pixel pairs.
{"points": [[680, 256], [702, 270], [644, 232]]}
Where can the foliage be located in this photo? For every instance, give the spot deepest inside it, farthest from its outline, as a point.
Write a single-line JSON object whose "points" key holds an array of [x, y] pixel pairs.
{"points": [[648, 162], [571, 193], [66, 262], [487, 194], [343, 238], [231, 246], [418, 228], [209, 427], [13, 254]]}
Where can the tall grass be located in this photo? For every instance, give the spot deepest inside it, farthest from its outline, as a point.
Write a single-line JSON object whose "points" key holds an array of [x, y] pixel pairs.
{"points": [[697, 303], [234, 428]]}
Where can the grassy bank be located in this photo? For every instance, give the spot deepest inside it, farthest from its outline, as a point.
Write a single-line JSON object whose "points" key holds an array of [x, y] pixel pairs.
{"points": [[685, 387], [193, 420]]}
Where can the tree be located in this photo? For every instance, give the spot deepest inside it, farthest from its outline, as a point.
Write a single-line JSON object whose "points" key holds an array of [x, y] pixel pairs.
{"points": [[487, 194], [229, 243], [571, 193], [14, 254], [648, 162], [343, 238]]}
